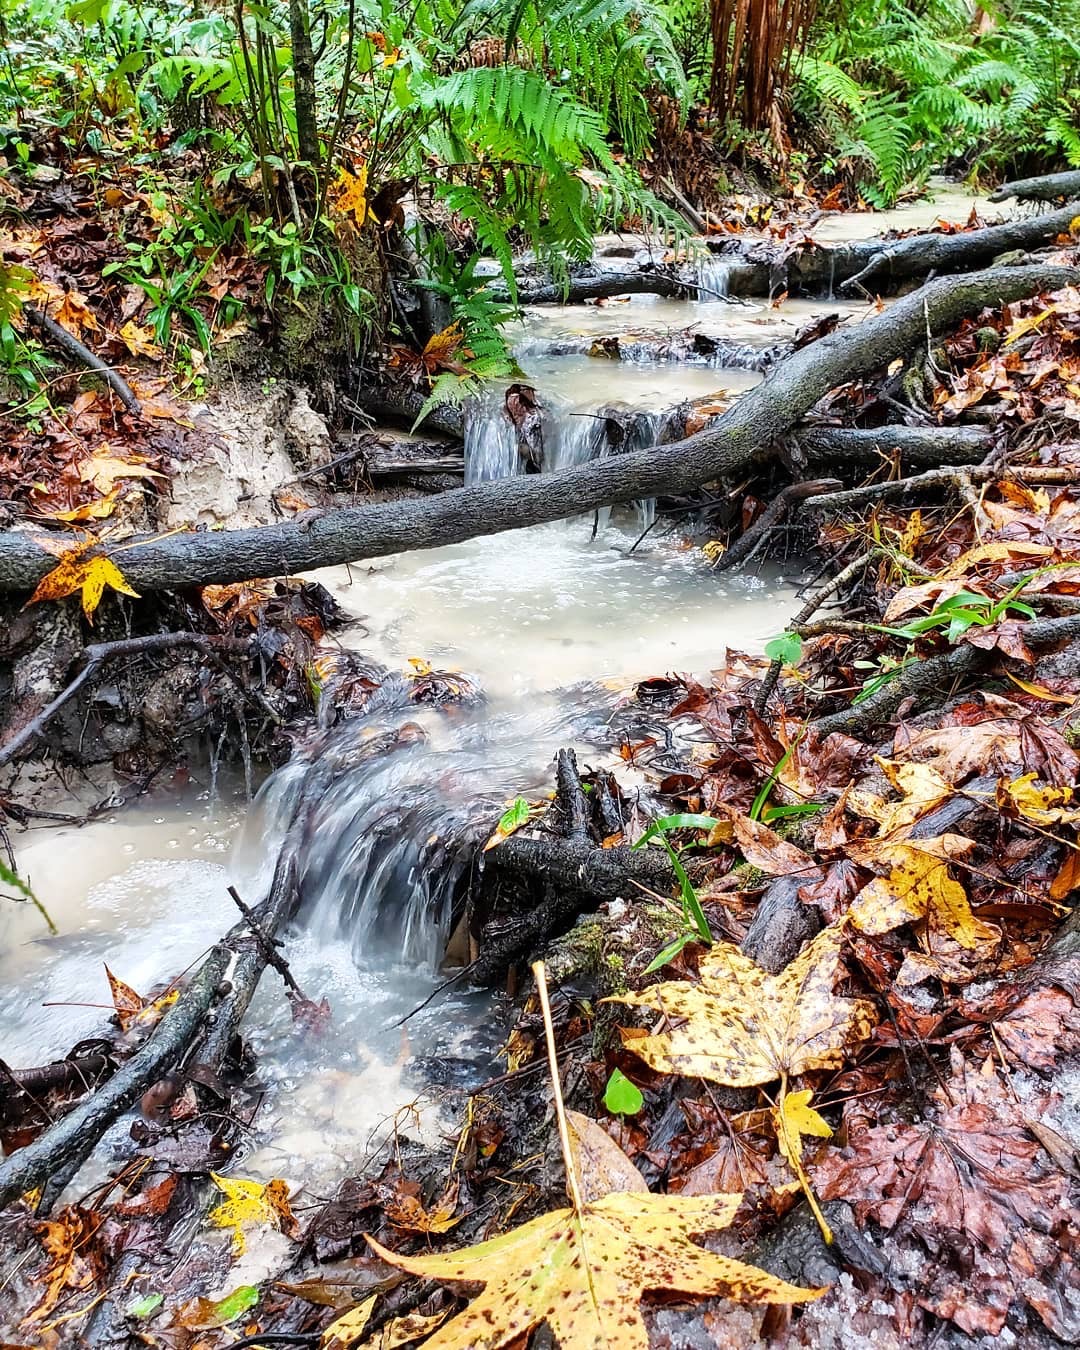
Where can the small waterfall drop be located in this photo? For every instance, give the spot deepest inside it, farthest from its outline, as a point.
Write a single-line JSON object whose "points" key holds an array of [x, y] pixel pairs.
{"points": [[713, 278], [492, 446]]}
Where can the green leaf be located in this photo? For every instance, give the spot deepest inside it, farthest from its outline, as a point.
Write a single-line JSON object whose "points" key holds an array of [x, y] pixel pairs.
{"points": [[10, 878], [787, 649], [143, 1307], [229, 1308], [670, 951], [682, 821], [797, 809], [621, 1097], [514, 816]]}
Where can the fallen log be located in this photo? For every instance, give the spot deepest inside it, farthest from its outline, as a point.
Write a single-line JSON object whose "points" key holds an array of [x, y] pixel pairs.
{"points": [[211, 1006], [725, 449], [912, 257], [926, 679], [72, 1139], [597, 285], [843, 446], [1050, 187]]}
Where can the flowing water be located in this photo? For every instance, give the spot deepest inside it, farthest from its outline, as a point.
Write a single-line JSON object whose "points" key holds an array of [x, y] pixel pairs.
{"points": [[547, 621]]}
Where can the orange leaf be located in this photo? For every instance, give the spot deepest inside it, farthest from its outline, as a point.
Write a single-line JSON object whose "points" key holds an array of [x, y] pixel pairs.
{"points": [[78, 573]]}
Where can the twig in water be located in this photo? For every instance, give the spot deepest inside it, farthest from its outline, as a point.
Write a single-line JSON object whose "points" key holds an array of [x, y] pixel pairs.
{"points": [[269, 948]]}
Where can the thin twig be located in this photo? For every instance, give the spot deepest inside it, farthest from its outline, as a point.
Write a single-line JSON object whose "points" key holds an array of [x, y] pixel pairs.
{"points": [[71, 345]]}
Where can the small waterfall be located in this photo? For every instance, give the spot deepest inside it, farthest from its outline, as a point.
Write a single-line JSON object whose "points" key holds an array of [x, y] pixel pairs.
{"points": [[491, 441], [492, 448], [713, 275], [387, 807]]}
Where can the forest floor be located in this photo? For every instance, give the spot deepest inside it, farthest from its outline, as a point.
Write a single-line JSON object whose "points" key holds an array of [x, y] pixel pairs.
{"points": [[825, 1014]]}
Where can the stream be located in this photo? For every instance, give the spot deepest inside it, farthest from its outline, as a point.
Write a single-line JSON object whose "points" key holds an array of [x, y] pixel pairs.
{"points": [[550, 623]]}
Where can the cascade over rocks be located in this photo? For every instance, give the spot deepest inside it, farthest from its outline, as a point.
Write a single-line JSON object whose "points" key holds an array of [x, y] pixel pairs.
{"points": [[743, 436]]}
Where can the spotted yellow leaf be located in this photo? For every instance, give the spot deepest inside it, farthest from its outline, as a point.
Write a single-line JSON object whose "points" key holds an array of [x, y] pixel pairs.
{"points": [[743, 1027], [350, 194], [346, 1330], [583, 1272], [919, 889]]}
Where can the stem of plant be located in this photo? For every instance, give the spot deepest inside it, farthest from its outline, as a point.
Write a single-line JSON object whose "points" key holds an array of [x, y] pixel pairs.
{"points": [[540, 976]]}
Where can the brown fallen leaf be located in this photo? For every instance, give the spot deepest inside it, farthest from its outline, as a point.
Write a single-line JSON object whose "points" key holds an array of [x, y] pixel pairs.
{"points": [[967, 1175], [760, 846], [744, 1027], [602, 1166]]}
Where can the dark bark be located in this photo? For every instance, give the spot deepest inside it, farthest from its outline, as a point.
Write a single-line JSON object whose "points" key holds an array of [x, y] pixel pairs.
{"points": [[575, 875], [839, 447], [781, 923], [599, 285], [784, 504], [912, 257], [725, 449], [72, 1139], [1050, 187], [72, 347], [307, 130], [928, 681]]}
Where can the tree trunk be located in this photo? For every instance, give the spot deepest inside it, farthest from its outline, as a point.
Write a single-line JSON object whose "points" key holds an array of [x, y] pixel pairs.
{"points": [[307, 128]]}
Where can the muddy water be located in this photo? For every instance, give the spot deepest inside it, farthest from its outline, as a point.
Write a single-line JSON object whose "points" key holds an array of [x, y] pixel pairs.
{"points": [[528, 614]]}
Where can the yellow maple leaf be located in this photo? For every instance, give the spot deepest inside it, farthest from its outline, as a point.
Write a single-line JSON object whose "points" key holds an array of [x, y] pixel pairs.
{"points": [[76, 572], [74, 314], [744, 1027], [793, 1117], [250, 1202], [583, 1272], [921, 787], [140, 341], [919, 889], [350, 196]]}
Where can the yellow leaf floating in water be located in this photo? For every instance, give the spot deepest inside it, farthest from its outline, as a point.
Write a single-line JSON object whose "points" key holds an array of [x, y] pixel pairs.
{"points": [[76, 572], [745, 1027], [250, 1202]]}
